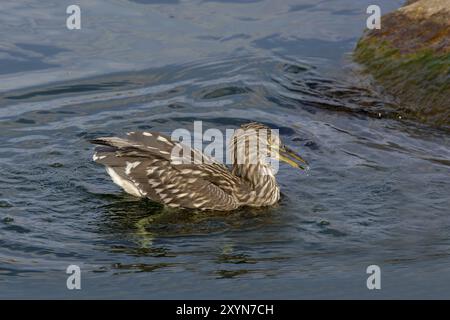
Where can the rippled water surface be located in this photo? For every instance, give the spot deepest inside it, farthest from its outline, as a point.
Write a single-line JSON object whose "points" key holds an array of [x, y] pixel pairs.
{"points": [[377, 192]]}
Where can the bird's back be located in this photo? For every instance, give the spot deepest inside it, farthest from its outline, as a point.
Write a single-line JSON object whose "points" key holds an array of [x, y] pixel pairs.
{"points": [[143, 165]]}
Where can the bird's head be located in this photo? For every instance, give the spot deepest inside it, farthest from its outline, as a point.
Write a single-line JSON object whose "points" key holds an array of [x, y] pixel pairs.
{"points": [[256, 143]]}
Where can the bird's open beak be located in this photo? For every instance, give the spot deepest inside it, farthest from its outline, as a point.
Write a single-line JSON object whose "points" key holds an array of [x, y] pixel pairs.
{"points": [[290, 157]]}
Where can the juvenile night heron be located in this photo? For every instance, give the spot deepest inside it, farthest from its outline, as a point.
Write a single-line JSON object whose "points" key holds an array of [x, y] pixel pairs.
{"points": [[142, 165]]}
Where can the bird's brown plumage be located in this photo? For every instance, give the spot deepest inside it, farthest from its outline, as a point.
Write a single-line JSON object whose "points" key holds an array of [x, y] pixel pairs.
{"points": [[142, 165]]}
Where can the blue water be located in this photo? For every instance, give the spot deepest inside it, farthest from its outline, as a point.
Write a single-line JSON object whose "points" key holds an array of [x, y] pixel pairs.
{"points": [[377, 192]]}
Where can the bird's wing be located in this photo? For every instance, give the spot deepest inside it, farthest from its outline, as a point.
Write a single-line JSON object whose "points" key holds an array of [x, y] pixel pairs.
{"points": [[156, 144], [146, 160]]}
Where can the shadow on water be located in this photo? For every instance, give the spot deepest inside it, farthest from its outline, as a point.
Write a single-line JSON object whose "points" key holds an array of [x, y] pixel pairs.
{"points": [[145, 218], [71, 89], [143, 229]]}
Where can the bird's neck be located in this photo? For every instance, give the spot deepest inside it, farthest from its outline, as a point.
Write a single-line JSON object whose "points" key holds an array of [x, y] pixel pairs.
{"points": [[262, 181], [253, 173]]}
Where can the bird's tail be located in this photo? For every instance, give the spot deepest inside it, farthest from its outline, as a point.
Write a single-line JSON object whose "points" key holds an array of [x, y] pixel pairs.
{"points": [[111, 142]]}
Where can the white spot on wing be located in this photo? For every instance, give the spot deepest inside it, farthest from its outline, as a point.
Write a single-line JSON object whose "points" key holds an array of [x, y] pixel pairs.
{"points": [[199, 204], [181, 195], [96, 157], [154, 183], [131, 165], [148, 134], [126, 185], [162, 139]]}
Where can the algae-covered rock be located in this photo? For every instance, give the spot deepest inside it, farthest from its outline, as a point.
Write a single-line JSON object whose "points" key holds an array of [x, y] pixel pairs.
{"points": [[410, 57]]}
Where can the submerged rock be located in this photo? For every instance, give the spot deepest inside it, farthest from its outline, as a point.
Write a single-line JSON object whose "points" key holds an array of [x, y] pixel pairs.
{"points": [[5, 204], [410, 57]]}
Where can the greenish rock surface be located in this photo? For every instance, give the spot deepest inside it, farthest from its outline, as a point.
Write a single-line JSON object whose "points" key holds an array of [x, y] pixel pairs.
{"points": [[410, 57]]}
